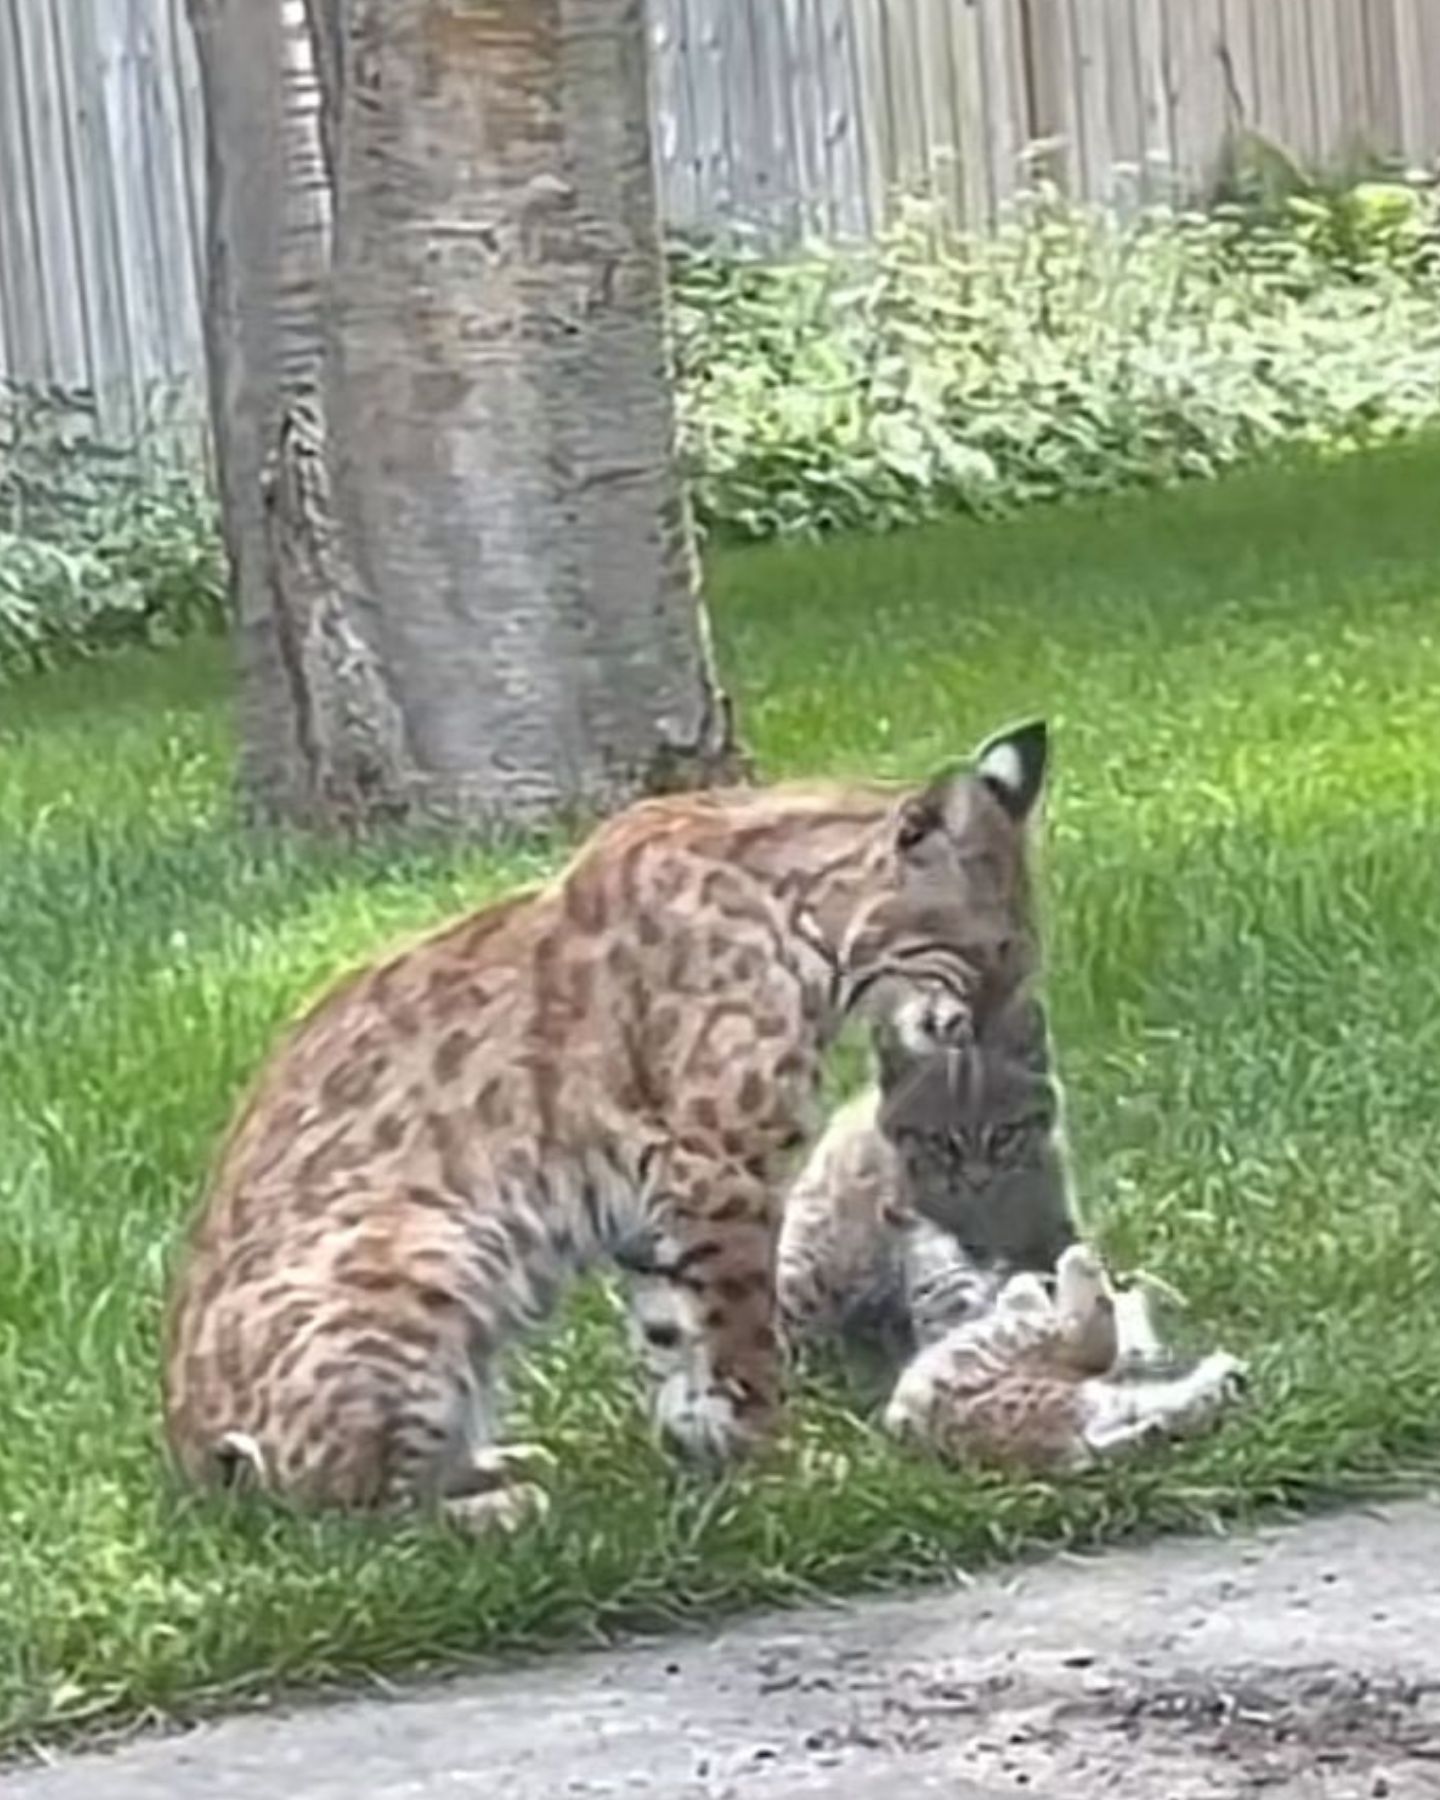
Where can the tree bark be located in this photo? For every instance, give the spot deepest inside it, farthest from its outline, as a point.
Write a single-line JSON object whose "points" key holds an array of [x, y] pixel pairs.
{"points": [[267, 243], [239, 52], [466, 590]]}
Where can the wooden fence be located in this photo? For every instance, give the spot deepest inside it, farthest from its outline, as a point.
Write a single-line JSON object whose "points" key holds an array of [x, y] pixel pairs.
{"points": [[789, 118], [101, 197]]}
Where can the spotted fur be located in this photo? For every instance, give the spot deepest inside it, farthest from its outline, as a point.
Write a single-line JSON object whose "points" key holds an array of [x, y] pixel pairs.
{"points": [[620, 1062], [1040, 1381]]}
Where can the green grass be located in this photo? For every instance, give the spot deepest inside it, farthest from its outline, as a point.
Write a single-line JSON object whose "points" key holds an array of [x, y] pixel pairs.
{"points": [[1242, 869]]}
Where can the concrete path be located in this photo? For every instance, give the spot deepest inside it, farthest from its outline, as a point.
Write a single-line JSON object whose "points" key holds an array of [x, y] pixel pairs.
{"points": [[1297, 1665]]}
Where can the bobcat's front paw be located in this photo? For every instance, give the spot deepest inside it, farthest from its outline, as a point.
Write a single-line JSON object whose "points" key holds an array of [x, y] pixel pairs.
{"points": [[708, 1423]]}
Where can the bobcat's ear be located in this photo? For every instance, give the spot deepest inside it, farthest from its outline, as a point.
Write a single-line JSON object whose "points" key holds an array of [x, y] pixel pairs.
{"points": [[1012, 765], [1009, 766]]}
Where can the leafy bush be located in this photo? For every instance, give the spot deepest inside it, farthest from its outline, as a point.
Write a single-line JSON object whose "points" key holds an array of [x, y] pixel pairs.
{"points": [[1068, 352], [1352, 223], [97, 547]]}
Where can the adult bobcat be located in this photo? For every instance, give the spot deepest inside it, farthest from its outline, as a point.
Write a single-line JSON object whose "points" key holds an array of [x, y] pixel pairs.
{"points": [[621, 1061]]}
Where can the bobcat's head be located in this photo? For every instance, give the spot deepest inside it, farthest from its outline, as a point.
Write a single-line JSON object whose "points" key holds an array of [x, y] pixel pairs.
{"points": [[951, 932]]}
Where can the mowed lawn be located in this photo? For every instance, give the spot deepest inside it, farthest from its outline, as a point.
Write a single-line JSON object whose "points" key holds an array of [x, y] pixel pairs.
{"points": [[1243, 879]]}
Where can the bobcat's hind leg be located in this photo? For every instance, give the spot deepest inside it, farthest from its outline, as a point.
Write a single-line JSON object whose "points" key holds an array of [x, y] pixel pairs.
{"points": [[446, 1455], [492, 1494]]}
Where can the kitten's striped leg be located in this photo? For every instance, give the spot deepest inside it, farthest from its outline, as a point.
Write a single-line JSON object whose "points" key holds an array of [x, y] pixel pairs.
{"points": [[813, 1277], [1121, 1416], [944, 1287], [1140, 1349]]}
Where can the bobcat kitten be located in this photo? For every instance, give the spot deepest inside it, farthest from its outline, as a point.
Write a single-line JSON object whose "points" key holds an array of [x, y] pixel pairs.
{"points": [[627, 1055], [1036, 1382], [929, 1188]]}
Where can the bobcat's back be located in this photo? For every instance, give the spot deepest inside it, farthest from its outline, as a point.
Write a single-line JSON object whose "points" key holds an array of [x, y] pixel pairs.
{"points": [[448, 1135]]}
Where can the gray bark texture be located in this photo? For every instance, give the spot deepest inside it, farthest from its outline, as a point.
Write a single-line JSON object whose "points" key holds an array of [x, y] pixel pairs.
{"points": [[466, 593], [240, 56]]}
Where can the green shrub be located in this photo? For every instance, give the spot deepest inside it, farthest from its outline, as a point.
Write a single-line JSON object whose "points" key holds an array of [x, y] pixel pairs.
{"points": [[97, 547], [1354, 223], [1067, 352]]}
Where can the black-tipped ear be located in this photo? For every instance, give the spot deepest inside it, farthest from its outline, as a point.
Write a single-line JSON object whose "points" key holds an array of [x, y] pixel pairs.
{"points": [[1012, 765]]}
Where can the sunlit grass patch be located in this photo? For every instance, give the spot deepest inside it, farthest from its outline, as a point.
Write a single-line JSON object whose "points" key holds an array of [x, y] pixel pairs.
{"points": [[1241, 869]]}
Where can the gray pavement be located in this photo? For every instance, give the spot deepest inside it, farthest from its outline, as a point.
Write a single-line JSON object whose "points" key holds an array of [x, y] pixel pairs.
{"points": [[1297, 1664]]}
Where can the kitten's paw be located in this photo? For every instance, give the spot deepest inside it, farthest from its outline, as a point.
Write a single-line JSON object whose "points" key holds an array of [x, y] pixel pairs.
{"points": [[1025, 1294], [1227, 1376], [906, 1415], [1080, 1278], [504, 1509], [1082, 1261], [1213, 1386], [1140, 1352]]}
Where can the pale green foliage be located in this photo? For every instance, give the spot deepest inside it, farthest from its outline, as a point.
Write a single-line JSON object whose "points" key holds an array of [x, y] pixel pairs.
{"points": [[1244, 956], [98, 547], [1069, 352]]}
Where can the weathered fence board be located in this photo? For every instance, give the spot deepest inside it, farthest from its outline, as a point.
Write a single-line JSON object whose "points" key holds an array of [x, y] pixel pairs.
{"points": [[788, 119]]}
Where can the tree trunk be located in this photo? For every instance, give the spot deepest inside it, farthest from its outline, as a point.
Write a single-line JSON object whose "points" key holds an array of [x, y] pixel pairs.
{"points": [[470, 597], [240, 57], [268, 257]]}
